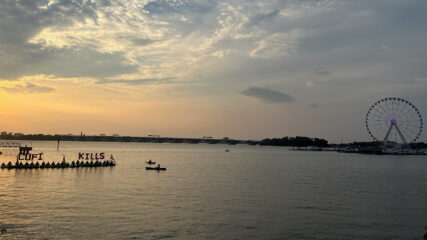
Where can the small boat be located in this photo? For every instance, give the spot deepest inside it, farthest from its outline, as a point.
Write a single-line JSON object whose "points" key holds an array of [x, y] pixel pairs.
{"points": [[227, 150], [155, 168], [150, 162]]}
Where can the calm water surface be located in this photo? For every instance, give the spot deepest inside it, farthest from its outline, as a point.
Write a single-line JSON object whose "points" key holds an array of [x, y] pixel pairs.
{"points": [[250, 192]]}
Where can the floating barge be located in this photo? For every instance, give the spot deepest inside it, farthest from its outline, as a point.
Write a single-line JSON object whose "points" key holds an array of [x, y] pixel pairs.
{"points": [[63, 164]]}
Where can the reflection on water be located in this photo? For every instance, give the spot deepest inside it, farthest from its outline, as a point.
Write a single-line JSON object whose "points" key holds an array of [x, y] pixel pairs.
{"points": [[207, 193]]}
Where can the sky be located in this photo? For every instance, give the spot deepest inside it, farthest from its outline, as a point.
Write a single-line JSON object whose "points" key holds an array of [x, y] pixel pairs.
{"points": [[193, 68]]}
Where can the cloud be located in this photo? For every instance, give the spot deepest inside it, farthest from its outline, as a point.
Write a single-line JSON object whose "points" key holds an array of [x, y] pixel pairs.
{"points": [[221, 53], [141, 41], [314, 105], [28, 88], [133, 82], [278, 45], [29, 52], [66, 63], [420, 80], [264, 17], [320, 71], [268, 95], [162, 7]]}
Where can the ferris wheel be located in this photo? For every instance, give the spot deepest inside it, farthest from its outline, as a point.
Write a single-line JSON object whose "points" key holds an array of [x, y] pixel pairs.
{"points": [[394, 120]]}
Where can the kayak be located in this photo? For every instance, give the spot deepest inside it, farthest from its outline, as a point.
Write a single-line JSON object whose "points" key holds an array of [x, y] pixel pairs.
{"points": [[154, 168], [150, 162]]}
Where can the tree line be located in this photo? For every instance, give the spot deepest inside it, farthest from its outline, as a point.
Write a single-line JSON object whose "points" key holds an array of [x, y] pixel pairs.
{"points": [[297, 141]]}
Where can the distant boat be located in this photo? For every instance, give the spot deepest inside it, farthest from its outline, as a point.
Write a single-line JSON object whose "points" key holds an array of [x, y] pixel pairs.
{"points": [[227, 150], [151, 162], [155, 168]]}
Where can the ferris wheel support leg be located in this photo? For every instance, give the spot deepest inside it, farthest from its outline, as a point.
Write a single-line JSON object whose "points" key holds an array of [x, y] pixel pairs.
{"points": [[401, 135], [388, 133], [398, 131]]}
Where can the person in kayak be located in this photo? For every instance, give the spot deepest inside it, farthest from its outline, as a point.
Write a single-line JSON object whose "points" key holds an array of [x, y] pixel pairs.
{"points": [[158, 165]]}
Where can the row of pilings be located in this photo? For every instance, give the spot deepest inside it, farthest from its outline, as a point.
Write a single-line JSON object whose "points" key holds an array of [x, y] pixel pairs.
{"points": [[63, 164]]}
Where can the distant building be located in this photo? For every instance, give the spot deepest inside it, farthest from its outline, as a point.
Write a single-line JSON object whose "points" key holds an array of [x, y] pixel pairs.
{"points": [[3, 133], [18, 134], [116, 135]]}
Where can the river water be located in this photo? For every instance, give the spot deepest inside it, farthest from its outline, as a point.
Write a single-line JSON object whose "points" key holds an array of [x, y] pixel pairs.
{"points": [[250, 192]]}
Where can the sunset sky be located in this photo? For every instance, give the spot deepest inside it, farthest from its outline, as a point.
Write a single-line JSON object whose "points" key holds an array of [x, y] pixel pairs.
{"points": [[192, 68]]}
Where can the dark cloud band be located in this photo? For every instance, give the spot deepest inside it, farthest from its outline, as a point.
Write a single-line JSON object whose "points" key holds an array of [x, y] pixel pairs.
{"points": [[268, 95]]}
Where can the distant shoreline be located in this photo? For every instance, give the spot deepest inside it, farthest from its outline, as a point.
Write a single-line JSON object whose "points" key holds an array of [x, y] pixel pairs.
{"points": [[298, 141], [84, 138], [285, 141]]}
